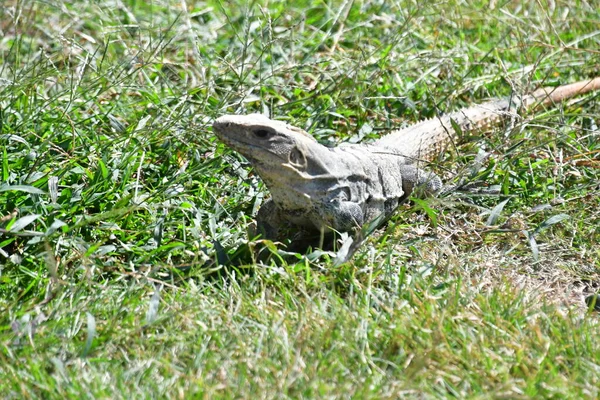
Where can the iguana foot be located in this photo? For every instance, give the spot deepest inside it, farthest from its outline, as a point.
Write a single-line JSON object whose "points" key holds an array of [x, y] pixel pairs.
{"points": [[413, 178]]}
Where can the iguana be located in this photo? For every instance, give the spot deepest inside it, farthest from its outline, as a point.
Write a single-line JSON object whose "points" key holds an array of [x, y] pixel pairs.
{"points": [[341, 188]]}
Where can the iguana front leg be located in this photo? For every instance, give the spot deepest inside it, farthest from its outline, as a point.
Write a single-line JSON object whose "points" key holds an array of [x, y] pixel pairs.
{"points": [[342, 214], [270, 220]]}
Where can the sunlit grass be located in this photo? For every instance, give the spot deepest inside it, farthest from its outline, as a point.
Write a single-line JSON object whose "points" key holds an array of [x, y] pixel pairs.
{"points": [[126, 264]]}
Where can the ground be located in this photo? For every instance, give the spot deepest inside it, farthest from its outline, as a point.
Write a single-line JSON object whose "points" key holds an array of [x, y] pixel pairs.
{"points": [[126, 263]]}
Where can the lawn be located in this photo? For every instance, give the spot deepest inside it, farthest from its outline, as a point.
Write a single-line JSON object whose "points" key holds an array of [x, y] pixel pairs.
{"points": [[127, 266]]}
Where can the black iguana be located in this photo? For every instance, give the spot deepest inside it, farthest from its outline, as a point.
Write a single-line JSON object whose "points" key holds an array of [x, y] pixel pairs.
{"points": [[341, 188]]}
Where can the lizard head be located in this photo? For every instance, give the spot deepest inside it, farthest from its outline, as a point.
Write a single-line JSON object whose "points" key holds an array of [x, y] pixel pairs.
{"points": [[267, 143]]}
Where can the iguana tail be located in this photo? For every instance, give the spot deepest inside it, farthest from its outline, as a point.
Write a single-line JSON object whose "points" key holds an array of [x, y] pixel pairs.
{"points": [[426, 139]]}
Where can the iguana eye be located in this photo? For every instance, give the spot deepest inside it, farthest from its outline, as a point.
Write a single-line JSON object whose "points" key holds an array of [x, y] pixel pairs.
{"points": [[261, 133]]}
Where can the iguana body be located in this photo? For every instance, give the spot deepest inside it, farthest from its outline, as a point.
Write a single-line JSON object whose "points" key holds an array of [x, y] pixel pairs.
{"points": [[343, 187]]}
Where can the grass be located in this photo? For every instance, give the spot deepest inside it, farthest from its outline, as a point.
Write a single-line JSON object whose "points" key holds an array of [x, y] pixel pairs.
{"points": [[126, 267]]}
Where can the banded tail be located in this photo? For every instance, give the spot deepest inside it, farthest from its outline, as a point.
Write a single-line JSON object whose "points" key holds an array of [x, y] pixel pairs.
{"points": [[426, 139]]}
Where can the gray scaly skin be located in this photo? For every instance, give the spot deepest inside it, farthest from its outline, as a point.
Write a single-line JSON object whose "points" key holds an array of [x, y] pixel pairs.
{"points": [[341, 188]]}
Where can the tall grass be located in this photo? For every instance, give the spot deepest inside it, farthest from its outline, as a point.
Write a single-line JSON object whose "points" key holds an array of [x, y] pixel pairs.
{"points": [[126, 266]]}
